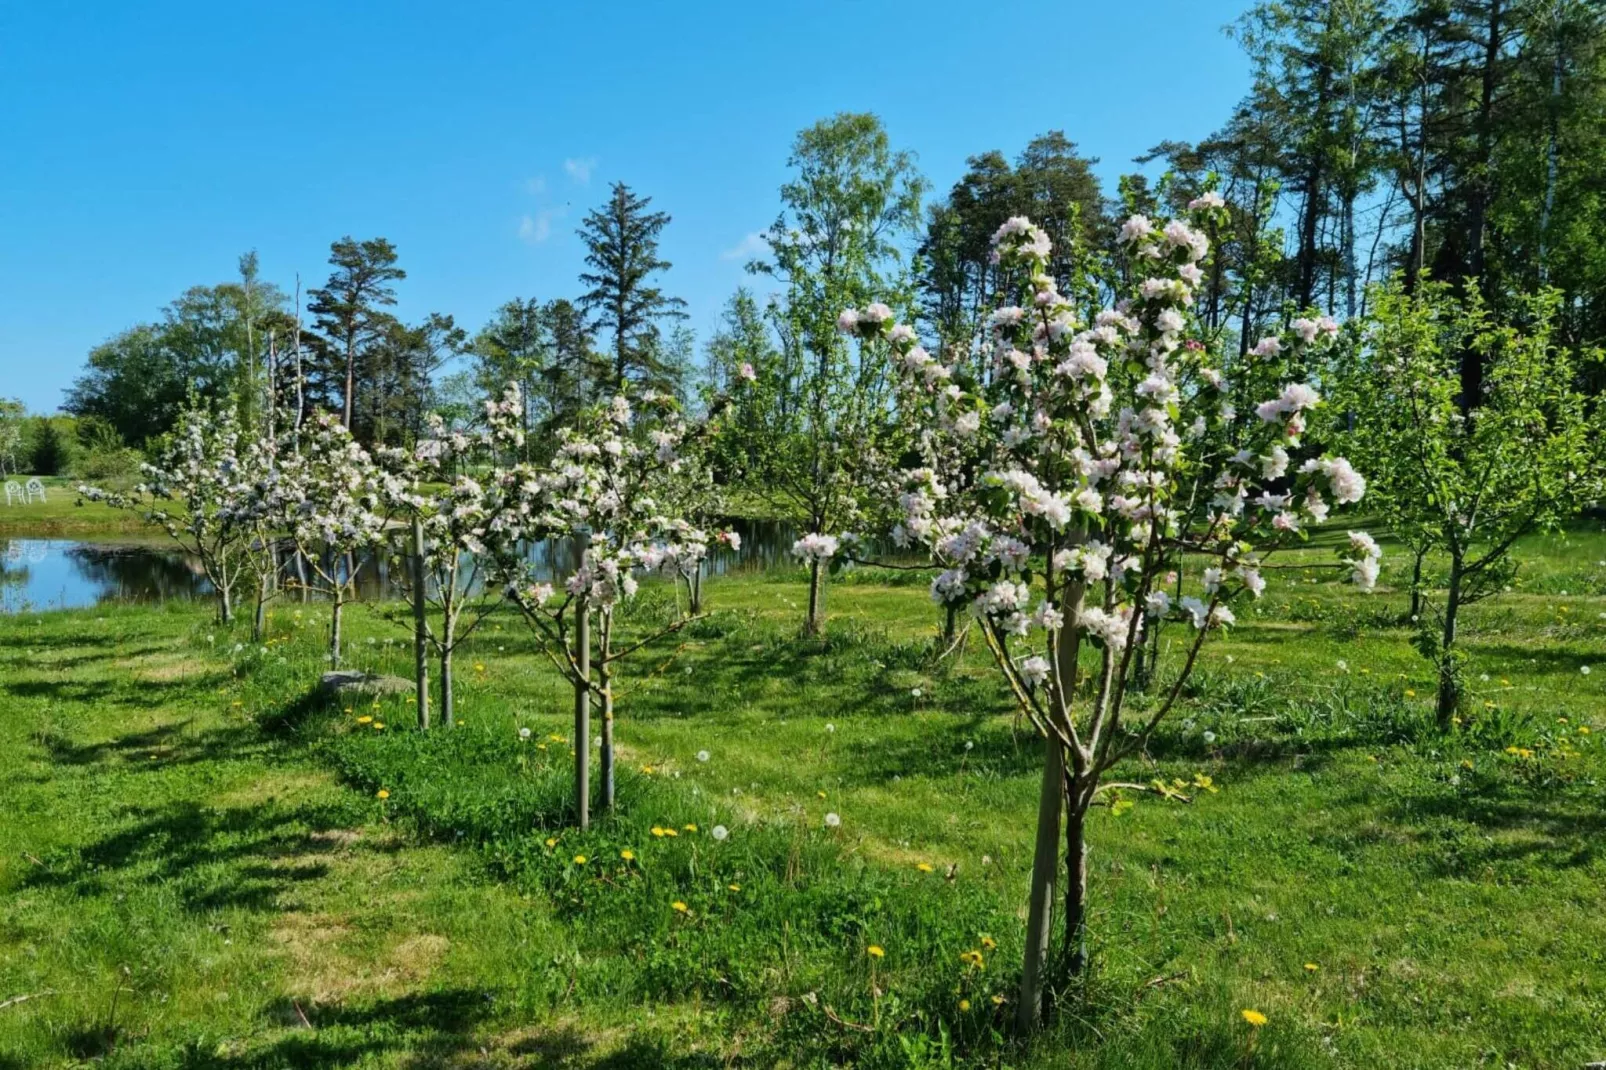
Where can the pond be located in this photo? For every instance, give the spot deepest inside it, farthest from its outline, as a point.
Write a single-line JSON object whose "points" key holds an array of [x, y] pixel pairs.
{"points": [[51, 573]]}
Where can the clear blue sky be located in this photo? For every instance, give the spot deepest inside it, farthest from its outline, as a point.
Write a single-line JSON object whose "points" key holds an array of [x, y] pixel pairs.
{"points": [[145, 146]]}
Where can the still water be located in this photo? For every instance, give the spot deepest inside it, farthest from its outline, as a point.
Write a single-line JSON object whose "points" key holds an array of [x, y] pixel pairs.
{"points": [[43, 573]]}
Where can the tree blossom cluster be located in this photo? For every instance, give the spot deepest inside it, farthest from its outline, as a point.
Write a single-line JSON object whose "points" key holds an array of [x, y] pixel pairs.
{"points": [[608, 487], [1071, 479]]}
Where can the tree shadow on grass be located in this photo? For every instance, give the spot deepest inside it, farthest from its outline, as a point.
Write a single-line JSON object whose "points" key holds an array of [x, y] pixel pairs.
{"points": [[431, 1029], [123, 691], [1509, 829], [246, 856], [163, 747], [1549, 658]]}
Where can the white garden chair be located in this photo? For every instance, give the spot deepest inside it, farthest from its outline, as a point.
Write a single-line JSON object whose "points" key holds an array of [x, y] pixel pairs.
{"points": [[34, 488], [15, 493]]}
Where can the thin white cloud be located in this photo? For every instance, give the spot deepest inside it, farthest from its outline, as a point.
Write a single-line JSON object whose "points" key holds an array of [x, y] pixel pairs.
{"points": [[537, 228], [580, 168], [750, 246]]}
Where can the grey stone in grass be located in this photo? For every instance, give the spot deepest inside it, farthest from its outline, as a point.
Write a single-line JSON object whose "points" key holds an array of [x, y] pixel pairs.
{"points": [[347, 681]]}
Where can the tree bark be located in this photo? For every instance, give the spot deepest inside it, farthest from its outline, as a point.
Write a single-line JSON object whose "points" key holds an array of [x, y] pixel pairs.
{"points": [[259, 618], [1449, 685], [582, 715], [334, 632], [1040, 897], [420, 626], [1416, 586], [605, 675], [1075, 895], [813, 625], [448, 699]]}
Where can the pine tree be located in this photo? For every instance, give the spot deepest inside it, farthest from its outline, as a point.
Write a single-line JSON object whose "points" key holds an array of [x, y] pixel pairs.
{"points": [[621, 239], [349, 311]]}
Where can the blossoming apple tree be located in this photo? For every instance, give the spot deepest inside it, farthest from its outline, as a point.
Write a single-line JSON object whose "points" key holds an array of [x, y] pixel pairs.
{"points": [[329, 496], [196, 491], [444, 561], [605, 490], [1058, 495]]}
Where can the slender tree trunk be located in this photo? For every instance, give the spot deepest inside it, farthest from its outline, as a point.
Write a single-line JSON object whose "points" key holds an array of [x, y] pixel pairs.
{"points": [[351, 382], [1449, 685], [259, 618], [1551, 155], [448, 699], [605, 681], [1075, 894], [1040, 897], [225, 609], [582, 714], [420, 626], [814, 624], [695, 590], [1416, 586], [334, 632]]}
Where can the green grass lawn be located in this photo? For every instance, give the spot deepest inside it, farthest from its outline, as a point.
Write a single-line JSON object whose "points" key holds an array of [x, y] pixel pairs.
{"points": [[61, 514], [198, 869]]}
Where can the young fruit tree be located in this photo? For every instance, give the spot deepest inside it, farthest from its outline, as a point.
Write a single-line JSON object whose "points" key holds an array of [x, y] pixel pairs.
{"points": [[329, 496], [826, 415], [1460, 479], [605, 491], [1057, 497], [441, 556], [197, 490]]}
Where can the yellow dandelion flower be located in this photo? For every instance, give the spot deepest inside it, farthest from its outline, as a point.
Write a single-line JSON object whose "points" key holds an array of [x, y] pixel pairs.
{"points": [[1254, 1018], [924, 867], [680, 907], [348, 709], [382, 793], [551, 842], [378, 725], [988, 943], [579, 860], [998, 1001], [646, 770], [1409, 693], [479, 666], [670, 832], [964, 1005], [657, 830], [1311, 967], [972, 958], [691, 828], [364, 719], [821, 794], [734, 887], [875, 952], [628, 855], [1583, 730]]}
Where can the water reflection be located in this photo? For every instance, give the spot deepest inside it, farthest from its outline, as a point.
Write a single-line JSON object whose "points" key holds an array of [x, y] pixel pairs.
{"points": [[40, 574]]}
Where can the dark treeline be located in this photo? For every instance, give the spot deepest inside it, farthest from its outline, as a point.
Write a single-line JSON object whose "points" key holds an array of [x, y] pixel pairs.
{"points": [[1460, 140]]}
